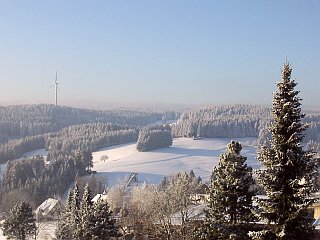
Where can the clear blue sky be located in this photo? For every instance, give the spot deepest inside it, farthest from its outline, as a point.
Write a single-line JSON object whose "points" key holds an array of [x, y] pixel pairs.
{"points": [[151, 51]]}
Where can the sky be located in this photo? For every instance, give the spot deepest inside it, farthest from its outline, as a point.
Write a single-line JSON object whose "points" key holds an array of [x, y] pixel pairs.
{"points": [[149, 52]]}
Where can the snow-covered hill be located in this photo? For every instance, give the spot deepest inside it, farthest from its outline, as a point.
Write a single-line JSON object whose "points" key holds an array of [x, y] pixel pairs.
{"points": [[184, 155]]}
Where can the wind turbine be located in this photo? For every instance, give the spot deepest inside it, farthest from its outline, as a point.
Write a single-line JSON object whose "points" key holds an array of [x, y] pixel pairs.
{"points": [[56, 88]]}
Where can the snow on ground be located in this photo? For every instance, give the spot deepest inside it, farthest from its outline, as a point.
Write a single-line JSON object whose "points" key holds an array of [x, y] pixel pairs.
{"points": [[46, 231], [34, 153], [41, 151], [184, 155]]}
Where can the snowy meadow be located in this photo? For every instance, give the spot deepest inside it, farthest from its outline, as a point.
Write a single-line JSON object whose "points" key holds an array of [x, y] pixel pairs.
{"points": [[118, 162]]}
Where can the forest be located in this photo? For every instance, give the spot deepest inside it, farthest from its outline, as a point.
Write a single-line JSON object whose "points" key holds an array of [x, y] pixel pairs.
{"points": [[24, 128], [71, 135], [29, 127], [18, 121], [236, 121], [153, 138]]}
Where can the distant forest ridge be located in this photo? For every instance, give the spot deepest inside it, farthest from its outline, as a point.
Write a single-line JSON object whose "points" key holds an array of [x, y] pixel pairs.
{"points": [[25, 128], [59, 129], [29, 120], [236, 121]]}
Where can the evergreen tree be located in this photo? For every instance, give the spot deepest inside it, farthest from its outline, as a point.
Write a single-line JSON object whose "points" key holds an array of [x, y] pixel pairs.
{"points": [[105, 225], [86, 159], [65, 228], [75, 219], [86, 216], [289, 173], [191, 174], [69, 226], [83, 220], [21, 222], [153, 138], [230, 206]]}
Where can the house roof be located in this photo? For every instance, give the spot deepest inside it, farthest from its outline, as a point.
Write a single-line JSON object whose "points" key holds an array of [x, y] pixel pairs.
{"points": [[99, 196], [316, 223], [195, 212], [46, 207]]}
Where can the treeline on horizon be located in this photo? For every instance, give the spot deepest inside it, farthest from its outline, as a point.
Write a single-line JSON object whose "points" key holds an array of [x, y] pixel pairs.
{"points": [[18, 121], [24, 128], [236, 121]]}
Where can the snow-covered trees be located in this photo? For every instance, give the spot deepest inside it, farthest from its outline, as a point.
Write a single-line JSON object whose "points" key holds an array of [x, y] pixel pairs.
{"points": [[64, 228], [20, 223], [162, 212], [15, 149], [231, 191], [30, 120], [221, 121], [235, 121], [85, 215], [28, 127], [32, 180], [175, 206], [139, 213], [289, 173], [85, 220], [103, 225], [84, 160], [154, 138]]}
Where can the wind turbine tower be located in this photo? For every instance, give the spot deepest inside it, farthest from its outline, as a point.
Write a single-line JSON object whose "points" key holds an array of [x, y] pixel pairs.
{"points": [[56, 89]]}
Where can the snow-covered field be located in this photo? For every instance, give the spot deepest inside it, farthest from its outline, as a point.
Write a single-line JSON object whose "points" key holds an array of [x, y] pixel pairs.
{"points": [[184, 155]]}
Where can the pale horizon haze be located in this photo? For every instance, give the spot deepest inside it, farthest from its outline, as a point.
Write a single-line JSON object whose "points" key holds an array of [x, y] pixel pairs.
{"points": [[149, 52]]}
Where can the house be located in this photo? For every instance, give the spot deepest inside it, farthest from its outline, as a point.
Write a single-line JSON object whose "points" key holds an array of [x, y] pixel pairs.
{"points": [[50, 209]]}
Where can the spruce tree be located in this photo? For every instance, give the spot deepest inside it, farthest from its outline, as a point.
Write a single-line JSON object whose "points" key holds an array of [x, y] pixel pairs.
{"points": [[104, 224], [65, 228], [21, 222], [86, 215], [69, 226], [230, 206], [75, 218], [289, 172]]}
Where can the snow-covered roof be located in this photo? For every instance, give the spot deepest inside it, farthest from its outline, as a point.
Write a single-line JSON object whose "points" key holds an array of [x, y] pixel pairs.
{"points": [[46, 207], [316, 223], [195, 212], [99, 196]]}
